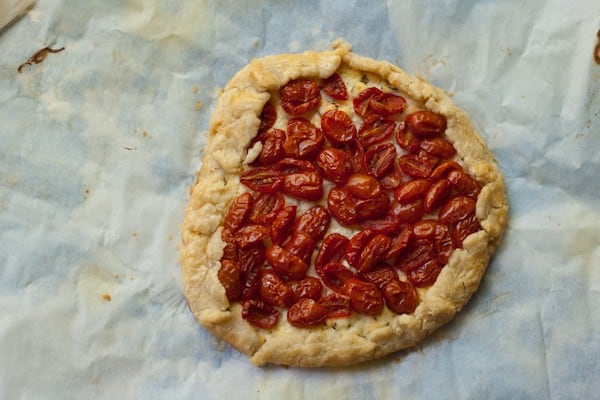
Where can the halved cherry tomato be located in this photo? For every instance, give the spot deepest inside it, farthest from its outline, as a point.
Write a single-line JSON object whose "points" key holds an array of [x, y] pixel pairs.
{"points": [[238, 212], [334, 275], [299, 96], [229, 276], [306, 313], [334, 87], [262, 179], [333, 249], [334, 164], [268, 116], [314, 222], [275, 291], [304, 185], [379, 159], [259, 313], [426, 123], [337, 305], [285, 263], [400, 297], [365, 298], [338, 127], [307, 288]]}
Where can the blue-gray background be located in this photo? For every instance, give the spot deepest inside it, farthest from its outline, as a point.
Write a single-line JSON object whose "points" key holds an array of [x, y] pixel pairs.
{"points": [[99, 145]]}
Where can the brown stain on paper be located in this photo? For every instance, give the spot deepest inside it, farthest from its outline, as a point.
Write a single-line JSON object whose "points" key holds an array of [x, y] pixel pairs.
{"points": [[39, 57], [597, 49]]}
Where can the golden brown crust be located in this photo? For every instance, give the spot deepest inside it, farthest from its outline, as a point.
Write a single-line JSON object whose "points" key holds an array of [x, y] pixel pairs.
{"points": [[357, 338]]}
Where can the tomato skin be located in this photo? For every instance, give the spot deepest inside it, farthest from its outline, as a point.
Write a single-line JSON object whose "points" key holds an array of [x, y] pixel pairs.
{"points": [[415, 166], [282, 224], [375, 130], [362, 101], [307, 288], [365, 298], [412, 190], [463, 183], [338, 127], [372, 208], [443, 169], [436, 195], [304, 185], [334, 275], [356, 245], [306, 313], [238, 212], [380, 158], [262, 179], [314, 222], [407, 140], [425, 274], [259, 313], [437, 147], [303, 140], [388, 224], [334, 87], [400, 297], [458, 208], [342, 206], [301, 245], [337, 305], [250, 235], [286, 263], [229, 276], [415, 255], [275, 291], [408, 213], [332, 249], [374, 251], [387, 104], [334, 165], [399, 243], [299, 96], [363, 186], [265, 208], [373, 101], [290, 165], [267, 117], [380, 276], [251, 259], [463, 228], [424, 124], [272, 147]]}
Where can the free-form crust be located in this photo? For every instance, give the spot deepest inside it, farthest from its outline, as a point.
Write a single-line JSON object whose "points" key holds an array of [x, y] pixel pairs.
{"points": [[357, 338]]}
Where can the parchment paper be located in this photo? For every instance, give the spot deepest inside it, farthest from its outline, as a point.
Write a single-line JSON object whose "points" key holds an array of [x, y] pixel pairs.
{"points": [[100, 142]]}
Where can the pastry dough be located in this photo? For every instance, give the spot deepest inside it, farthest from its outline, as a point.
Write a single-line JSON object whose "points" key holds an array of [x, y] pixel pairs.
{"points": [[357, 338]]}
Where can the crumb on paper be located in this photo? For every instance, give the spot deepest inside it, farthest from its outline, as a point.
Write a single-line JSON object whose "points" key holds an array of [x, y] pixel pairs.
{"points": [[129, 148], [506, 50], [134, 234], [170, 237], [195, 88], [255, 43], [116, 276], [198, 105], [86, 192], [106, 297]]}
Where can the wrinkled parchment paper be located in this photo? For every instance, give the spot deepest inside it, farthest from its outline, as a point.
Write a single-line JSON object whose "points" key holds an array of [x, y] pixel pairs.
{"points": [[100, 142]]}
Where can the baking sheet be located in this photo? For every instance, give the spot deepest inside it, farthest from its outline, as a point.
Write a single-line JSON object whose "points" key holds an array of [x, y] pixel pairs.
{"points": [[99, 147]]}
